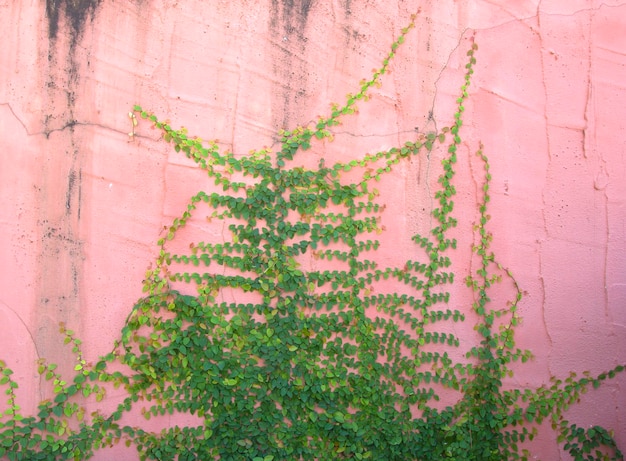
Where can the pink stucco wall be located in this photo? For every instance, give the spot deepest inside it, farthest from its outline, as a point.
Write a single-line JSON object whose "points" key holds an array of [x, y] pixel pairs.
{"points": [[83, 203]]}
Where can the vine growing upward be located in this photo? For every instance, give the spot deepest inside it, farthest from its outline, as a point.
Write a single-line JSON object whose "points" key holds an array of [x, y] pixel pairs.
{"points": [[321, 362]]}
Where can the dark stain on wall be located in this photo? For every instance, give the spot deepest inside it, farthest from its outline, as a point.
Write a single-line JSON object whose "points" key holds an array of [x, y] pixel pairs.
{"points": [[291, 15], [76, 13], [288, 23], [61, 257], [72, 16], [346, 6], [297, 8], [73, 192]]}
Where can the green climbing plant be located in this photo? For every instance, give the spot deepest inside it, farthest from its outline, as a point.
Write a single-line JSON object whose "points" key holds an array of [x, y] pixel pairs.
{"points": [[326, 361]]}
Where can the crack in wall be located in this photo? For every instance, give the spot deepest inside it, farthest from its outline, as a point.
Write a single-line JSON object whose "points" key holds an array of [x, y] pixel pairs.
{"points": [[446, 66], [69, 125], [25, 326], [577, 11], [544, 199], [594, 159], [601, 179]]}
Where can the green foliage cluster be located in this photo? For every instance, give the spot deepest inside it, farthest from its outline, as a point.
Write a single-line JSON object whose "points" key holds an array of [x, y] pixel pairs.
{"points": [[308, 363]]}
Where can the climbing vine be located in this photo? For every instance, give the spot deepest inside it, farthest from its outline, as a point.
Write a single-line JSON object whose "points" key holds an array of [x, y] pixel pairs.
{"points": [[310, 361]]}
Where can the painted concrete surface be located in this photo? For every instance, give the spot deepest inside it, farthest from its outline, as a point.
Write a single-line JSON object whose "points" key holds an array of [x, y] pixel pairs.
{"points": [[84, 203]]}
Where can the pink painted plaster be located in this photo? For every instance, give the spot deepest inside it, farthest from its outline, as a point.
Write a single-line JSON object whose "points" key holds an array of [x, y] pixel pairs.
{"points": [[84, 203]]}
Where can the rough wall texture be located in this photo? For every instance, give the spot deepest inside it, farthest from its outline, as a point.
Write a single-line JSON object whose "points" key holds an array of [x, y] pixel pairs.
{"points": [[83, 203]]}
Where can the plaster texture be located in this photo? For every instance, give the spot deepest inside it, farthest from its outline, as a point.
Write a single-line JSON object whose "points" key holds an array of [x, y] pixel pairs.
{"points": [[84, 203]]}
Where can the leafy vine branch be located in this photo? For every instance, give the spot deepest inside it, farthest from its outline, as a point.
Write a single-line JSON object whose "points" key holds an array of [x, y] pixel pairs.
{"points": [[308, 363]]}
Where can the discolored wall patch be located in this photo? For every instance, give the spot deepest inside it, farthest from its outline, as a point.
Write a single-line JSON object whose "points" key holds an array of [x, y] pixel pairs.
{"points": [[76, 13]]}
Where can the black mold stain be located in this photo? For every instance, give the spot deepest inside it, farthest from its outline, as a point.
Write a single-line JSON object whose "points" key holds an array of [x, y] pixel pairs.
{"points": [[291, 16], [298, 8], [73, 193], [71, 183], [288, 24], [75, 11], [80, 192], [61, 252], [76, 14], [346, 6]]}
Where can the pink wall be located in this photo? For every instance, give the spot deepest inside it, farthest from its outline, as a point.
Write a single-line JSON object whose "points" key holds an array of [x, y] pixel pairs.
{"points": [[83, 203]]}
